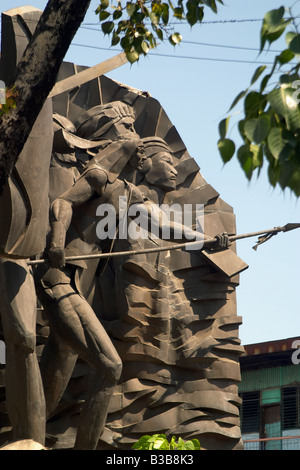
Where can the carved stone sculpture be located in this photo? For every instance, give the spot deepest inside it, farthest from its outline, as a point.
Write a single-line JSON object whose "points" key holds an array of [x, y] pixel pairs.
{"points": [[24, 224], [167, 319]]}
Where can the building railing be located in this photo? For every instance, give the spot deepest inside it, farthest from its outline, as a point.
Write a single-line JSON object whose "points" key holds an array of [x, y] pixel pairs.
{"points": [[273, 443]]}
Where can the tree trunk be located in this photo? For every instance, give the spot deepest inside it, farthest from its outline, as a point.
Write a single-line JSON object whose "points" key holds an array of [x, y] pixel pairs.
{"points": [[36, 75]]}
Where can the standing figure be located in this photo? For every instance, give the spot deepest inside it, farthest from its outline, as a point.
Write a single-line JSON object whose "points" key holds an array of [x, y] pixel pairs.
{"points": [[175, 348], [24, 210], [74, 328]]}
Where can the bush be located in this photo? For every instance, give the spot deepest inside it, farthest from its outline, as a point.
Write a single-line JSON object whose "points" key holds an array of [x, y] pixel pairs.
{"points": [[160, 442]]}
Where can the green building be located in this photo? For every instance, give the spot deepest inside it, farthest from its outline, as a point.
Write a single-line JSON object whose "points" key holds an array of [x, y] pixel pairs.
{"points": [[270, 392]]}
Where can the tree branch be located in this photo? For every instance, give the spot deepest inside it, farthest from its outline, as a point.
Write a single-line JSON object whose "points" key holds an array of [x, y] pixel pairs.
{"points": [[36, 75]]}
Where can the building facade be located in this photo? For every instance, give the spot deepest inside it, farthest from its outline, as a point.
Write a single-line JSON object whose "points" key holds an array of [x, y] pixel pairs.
{"points": [[270, 392]]}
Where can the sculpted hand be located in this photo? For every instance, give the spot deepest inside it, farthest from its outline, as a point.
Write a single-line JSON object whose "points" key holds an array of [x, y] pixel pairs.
{"points": [[56, 257], [222, 241]]}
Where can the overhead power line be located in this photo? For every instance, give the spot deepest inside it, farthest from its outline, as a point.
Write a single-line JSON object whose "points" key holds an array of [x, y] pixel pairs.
{"points": [[213, 59]]}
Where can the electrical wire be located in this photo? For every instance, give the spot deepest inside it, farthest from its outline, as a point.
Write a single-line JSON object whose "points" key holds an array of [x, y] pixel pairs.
{"points": [[175, 56]]}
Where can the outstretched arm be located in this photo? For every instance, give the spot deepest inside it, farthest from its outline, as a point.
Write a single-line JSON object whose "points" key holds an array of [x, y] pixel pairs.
{"points": [[155, 221]]}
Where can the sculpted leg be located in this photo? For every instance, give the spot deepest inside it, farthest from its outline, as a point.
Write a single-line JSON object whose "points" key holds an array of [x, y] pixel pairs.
{"points": [[25, 398], [57, 365], [77, 326]]}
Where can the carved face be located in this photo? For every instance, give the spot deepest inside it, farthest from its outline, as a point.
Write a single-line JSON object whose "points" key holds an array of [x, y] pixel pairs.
{"points": [[121, 128], [162, 172], [138, 159]]}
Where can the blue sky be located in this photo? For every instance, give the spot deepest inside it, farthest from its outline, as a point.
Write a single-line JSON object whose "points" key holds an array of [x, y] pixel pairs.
{"points": [[196, 84]]}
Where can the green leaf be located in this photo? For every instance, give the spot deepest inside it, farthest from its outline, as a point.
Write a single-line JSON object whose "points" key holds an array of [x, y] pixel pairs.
{"points": [[196, 444], [211, 4], [104, 4], [145, 47], [286, 173], [273, 19], [294, 182], [175, 39], [289, 36], [181, 444], [165, 13], [226, 148], [254, 104], [161, 444], [258, 73], [200, 13], [191, 14], [173, 443], [132, 56], [122, 25], [257, 156], [273, 26], [188, 445], [294, 45], [283, 101], [286, 56], [104, 15], [178, 13], [117, 14], [154, 17], [160, 33], [223, 127], [126, 43], [142, 443], [257, 129], [279, 143], [237, 99], [107, 27], [131, 8], [115, 39], [290, 79], [245, 158], [271, 37], [273, 173], [264, 82]]}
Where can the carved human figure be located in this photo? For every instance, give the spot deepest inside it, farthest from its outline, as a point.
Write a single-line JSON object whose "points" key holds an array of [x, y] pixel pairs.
{"points": [[75, 330], [24, 391], [165, 343]]}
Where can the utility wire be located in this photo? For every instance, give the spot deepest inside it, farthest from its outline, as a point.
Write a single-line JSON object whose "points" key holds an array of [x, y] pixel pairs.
{"points": [[213, 59]]}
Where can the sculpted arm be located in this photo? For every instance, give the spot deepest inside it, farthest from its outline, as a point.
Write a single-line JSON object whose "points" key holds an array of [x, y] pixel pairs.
{"points": [[61, 212], [159, 223], [156, 220]]}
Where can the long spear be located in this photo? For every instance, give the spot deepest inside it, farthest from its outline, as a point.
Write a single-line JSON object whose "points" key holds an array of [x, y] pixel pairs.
{"points": [[264, 235]]}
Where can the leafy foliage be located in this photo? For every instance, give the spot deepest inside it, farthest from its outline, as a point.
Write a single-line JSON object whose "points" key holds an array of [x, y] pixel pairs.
{"points": [[270, 128], [138, 25], [160, 442]]}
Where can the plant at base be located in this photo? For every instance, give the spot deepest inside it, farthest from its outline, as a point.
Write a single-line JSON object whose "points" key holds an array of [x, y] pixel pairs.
{"points": [[160, 442]]}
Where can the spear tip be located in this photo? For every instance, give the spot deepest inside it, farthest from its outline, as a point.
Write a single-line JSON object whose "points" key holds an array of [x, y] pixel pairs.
{"points": [[289, 227]]}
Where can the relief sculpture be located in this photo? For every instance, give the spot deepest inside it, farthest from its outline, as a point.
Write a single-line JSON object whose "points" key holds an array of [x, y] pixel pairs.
{"points": [[134, 344]]}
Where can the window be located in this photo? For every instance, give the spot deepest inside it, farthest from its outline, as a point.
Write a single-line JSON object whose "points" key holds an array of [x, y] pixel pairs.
{"points": [[290, 408], [250, 412]]}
